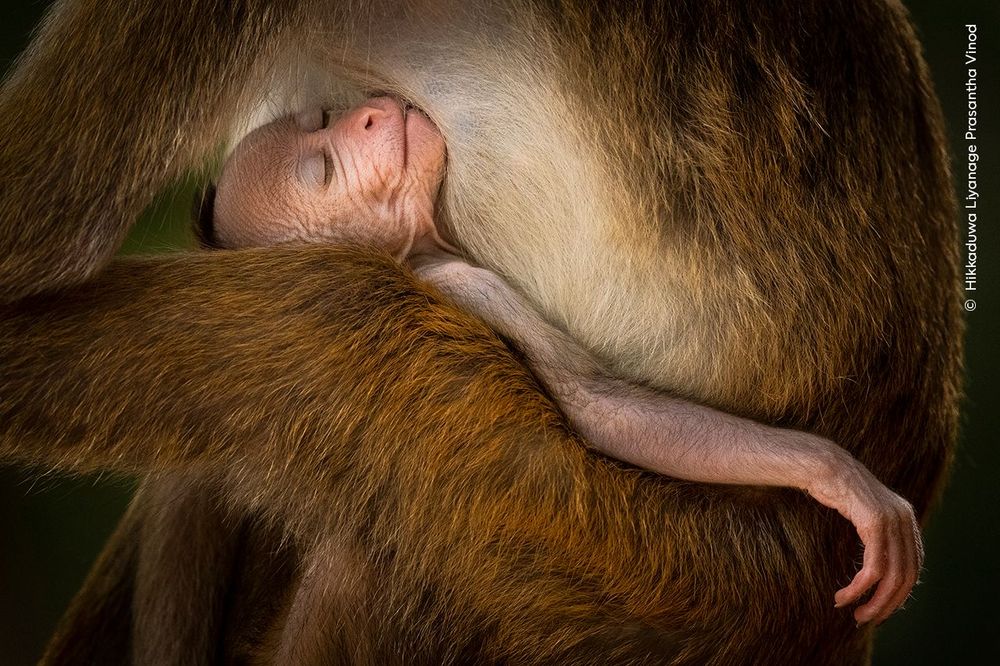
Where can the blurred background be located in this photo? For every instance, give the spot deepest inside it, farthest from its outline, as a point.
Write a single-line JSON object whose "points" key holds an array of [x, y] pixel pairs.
{"points": [[51, 528]]}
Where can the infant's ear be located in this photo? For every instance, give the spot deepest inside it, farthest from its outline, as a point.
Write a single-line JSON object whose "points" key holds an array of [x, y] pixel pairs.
{"points": [[203, 218]]}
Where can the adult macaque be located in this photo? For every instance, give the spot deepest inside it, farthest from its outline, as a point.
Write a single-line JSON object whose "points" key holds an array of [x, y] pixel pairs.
{"points": [[747, 206]]}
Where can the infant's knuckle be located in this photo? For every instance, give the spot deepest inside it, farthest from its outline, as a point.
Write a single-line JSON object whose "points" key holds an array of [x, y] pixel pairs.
{"points": [[891, 511], [877, 525], [894, 523], [871, 518], [868, 577], [893, 579]]}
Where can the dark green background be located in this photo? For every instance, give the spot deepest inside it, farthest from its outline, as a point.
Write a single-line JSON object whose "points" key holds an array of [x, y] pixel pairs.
{"points": [[53, 527]]}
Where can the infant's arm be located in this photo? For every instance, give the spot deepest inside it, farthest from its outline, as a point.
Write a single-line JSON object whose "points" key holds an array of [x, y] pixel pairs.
{"points": [[689, 441]]}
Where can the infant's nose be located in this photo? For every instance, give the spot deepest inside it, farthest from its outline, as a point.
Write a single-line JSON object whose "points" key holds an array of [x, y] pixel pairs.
{"points": [[377, 114], [370, 119]]}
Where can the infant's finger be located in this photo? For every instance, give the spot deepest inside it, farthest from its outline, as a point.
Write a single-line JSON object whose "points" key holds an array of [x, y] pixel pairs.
{"points": [[911, 542], [897, 599], [888, 585], [872, 569], [918, 541]]}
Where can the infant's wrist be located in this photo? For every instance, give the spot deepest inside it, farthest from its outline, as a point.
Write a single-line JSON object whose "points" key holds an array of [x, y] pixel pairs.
{"points": [[816, 463], [832, 472]]}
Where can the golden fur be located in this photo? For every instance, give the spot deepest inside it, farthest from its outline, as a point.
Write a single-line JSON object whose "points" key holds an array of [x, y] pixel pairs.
{"points": [[745, 204]]}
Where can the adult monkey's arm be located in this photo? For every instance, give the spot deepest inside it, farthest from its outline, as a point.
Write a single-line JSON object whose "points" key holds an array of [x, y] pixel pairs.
{"points": [[257, 364], [110, 102], [292, 382]]}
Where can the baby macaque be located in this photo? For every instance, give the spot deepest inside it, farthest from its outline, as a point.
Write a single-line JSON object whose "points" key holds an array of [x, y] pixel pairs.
{"points": [[372, 175]]}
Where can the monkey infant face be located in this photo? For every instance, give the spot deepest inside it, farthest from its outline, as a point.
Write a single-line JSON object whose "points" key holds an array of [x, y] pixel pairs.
{"points": [[370, 175]]}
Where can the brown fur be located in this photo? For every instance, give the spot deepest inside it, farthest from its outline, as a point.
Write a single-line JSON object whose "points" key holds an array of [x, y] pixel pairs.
{"points": [[773, 208], [187, 544]]}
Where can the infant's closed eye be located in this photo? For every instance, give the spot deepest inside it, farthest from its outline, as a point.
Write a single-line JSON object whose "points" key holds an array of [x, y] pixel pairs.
{"points": [[327, 168], [314, 169]]}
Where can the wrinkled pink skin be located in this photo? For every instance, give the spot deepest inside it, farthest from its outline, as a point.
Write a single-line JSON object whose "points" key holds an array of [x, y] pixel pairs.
{"points": [[372, 176]]}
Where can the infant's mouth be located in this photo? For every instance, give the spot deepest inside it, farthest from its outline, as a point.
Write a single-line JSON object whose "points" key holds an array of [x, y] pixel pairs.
{"points": [[417, 127]]}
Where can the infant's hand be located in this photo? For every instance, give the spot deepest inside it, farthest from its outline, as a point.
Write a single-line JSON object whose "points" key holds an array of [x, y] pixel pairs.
{"points": [[888, 529]]}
